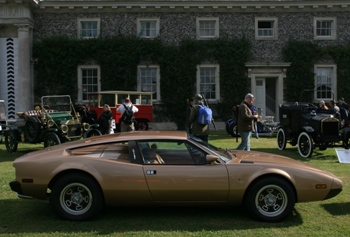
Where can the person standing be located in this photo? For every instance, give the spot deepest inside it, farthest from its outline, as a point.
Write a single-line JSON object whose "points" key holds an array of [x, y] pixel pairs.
{"points": [[127, 123], [198, 130], [104, 118], [246, 122], [188, 113]]}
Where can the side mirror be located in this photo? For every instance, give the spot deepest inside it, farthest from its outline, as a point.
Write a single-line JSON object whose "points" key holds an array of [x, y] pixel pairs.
{"points": [[211, 159]]}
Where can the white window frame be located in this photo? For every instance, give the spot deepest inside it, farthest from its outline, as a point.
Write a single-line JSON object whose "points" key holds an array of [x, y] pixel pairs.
{"points": [[80, 80], [140, 20], [81, 20], [217, 80], [139, 88], [274, 29], [198, 29], [333, 35], [333, 80]]}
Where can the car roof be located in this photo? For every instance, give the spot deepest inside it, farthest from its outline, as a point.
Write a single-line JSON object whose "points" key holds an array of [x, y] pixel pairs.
{"points": [[143, 135]]}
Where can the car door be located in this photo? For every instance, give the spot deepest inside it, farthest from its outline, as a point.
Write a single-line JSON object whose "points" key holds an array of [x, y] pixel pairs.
{"points": [[184, 177]]}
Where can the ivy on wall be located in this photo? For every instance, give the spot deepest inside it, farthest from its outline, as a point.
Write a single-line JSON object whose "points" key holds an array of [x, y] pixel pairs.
{"points": [[301, 75], [58, 59], [118, 58]]}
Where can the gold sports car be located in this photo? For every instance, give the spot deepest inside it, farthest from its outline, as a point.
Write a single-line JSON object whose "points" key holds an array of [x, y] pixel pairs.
{"points": [[166, 168]]}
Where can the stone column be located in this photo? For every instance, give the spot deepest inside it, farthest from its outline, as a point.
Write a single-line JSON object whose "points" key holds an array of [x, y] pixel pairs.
{"points": [[25, 84]]}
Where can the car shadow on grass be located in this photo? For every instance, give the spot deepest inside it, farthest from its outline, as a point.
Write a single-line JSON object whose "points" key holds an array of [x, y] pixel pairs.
{"points": [[38, 217], [337, 209]]}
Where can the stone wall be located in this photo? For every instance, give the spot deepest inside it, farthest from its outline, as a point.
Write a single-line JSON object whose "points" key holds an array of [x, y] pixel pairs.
{"points": [[175, 27]]}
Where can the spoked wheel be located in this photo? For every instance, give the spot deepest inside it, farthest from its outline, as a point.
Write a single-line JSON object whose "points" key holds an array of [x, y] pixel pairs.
{"points": [[51, 139], [270, 199], [76, 197], [94, 133], [281, 139], [10, 142], [305, 145]]}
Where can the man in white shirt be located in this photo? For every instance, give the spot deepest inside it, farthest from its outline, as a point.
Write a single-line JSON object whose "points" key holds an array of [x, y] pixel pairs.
{"points": [[125, 124]]}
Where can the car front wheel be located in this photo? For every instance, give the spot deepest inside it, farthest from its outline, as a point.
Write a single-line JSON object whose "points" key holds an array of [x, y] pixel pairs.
{"points": [[270, 199], [76, 197]]}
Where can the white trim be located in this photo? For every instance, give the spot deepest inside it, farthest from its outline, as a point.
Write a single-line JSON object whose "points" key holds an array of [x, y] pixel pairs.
{"points": [[80, 82], [216, 32], [333, 21], [139, 67], [80, 20], [333, 83], [217, 80], [274, 20], [139, 20]]}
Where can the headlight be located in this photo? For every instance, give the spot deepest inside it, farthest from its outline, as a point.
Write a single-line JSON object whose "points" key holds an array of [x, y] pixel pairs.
{"points": [[50, 123], [64, 128], [86, 126]]}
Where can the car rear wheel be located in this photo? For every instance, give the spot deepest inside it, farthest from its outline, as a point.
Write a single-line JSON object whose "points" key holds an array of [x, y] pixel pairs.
{"points": [[305, 145], [281, 139], [270, 199], [51, 139], [10, 142], [76, 197], [32, 129]]}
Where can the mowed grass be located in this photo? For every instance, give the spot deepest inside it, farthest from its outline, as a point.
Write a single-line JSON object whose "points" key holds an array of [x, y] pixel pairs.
{"points": [[331, 217]]}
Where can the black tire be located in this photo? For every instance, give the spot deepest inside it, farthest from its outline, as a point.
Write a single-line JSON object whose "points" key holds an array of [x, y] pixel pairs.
{"points": [[76, 197], [305, 145], [141, 125], [10, 142], [32, 129], [281, 139], [270, 199], [93, 133], [51, 139]]}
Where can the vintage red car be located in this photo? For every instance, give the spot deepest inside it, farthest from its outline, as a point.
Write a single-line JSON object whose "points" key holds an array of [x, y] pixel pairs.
{"points": [[142, 100], [157, 168]]}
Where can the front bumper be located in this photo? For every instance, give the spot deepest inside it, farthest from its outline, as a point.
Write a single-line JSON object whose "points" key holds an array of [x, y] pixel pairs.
{"points": [[16, 187]]}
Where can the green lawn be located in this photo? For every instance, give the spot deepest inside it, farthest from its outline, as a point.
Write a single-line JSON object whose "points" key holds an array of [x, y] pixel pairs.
{"points": [[325, 218]]}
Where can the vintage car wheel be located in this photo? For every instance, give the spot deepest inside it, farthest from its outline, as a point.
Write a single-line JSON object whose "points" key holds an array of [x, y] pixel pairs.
{"points": [[141, 125], [94, 133], [51, 139], [281, 139], [76, 197], [270, 199], [305, 145], [10, 142], [32, 129]]}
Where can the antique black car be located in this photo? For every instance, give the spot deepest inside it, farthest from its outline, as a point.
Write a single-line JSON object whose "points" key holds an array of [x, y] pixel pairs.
{"points": [[306, 125]]}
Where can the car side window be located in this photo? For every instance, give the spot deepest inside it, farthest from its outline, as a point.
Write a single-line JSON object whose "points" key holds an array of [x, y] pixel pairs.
{"points": [[113, 151], [162, 152]]}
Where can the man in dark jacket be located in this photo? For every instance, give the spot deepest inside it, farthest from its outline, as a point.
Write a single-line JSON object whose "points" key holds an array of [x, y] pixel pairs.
{"points": [[198, 130], [246, 122]]}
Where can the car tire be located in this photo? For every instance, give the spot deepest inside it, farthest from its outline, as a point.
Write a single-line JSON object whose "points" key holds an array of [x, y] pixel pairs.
{"points": [[51, 139], [281, 139], [305, 145], [32, 129], [270, 199], [76, 197], [10, 142], [94, 133]]}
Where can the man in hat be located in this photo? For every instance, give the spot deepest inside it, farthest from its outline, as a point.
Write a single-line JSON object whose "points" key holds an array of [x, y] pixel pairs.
{"points": [[198, 130], [246, 121]]}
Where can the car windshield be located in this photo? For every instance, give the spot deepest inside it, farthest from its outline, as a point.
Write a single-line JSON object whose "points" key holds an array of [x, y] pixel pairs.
{"points": [[56, 103], [223, 154]]}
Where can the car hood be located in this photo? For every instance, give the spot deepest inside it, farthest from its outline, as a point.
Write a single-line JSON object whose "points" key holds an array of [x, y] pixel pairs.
{"points": [[269, 159]]}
